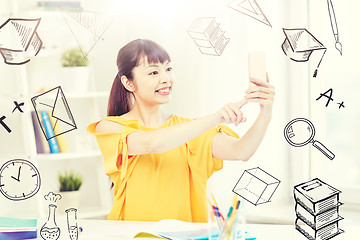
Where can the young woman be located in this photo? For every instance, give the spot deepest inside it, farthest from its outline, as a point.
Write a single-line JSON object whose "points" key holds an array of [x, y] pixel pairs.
{"points": [[160, 163]]}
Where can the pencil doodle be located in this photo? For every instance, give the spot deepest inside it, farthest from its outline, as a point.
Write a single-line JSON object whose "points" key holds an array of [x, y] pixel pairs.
{"points": [[317, 210], [19, 40], [71, 217], [300, 131], [299, 44], [87, 26], [18, 106], [19, 179], [50, 230], [334, 26], [251, 9], [4, 124], [256, 186], [55, 102], [208, 36]]}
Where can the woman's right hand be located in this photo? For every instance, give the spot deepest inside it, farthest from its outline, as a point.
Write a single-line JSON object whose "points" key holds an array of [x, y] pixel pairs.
{"points": [[231, 113]]}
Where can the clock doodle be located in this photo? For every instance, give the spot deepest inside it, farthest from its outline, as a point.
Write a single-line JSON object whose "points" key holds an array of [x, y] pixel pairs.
{"points": [[19, 179]]}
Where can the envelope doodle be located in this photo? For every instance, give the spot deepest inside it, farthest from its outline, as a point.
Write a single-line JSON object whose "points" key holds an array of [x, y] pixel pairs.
{"points": [[54, 103], [19, 40]]}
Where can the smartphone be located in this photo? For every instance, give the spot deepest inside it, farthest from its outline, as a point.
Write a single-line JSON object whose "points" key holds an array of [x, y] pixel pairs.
{"points": [[257, 65]]}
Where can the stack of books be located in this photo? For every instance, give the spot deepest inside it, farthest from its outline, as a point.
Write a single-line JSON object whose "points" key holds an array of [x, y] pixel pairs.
{"points": [[208, 36], [17, 228], [317, 210]]}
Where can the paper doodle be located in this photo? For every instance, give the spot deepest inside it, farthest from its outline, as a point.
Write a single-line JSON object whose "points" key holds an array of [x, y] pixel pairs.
{"points": [[207, 36], [19, 40], [300, 131], [87, 26], [19, 179], [55, 102], [256, 186], [299, 44], [251, 9], [317, 210]]}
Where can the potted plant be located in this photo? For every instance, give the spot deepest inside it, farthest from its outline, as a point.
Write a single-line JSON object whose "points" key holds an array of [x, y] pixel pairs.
{"points": [[70, 184], [75, 70]]}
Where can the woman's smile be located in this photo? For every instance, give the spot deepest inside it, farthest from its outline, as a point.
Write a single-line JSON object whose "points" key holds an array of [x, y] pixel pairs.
{"points": [[164, 91]]}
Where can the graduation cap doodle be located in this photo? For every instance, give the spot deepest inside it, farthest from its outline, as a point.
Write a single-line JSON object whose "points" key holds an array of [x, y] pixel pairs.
{"points": [[19, 40], [299, 44]]}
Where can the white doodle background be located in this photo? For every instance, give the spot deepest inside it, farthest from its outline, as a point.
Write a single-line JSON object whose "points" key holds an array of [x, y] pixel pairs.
{"points": [[203, 84]]}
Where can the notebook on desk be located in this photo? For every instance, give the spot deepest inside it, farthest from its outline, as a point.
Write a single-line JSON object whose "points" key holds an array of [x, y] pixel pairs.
{"points": [[175, 230]]}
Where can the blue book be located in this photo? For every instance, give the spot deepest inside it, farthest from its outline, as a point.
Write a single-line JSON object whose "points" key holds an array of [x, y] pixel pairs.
{"points": [[17, 228], [53, 144], [18, 235]]}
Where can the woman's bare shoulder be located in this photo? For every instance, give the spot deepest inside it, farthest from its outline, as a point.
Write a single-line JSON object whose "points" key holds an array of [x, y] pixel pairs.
{"points": [[106, 126]]}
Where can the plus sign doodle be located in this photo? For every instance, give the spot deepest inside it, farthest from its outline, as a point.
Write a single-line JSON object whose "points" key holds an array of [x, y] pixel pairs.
{"points": [[328, 94], [18, 106]]}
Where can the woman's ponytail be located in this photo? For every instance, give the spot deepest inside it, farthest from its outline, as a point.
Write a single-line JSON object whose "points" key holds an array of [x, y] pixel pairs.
{"points": [[119, 100]]}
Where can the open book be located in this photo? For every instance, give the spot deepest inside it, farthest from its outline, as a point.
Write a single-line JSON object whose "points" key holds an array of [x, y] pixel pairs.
{"points": [[175, 229]]}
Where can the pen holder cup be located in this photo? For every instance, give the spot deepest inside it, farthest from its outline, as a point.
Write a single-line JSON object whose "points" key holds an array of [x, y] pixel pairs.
{"points": [[219, 230], [213, 225]]}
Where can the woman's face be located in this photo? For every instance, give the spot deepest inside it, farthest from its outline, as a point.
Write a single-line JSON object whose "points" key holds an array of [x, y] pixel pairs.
{"points": [[153, 82]]}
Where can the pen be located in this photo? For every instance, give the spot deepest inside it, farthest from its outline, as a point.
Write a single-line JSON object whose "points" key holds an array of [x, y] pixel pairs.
{"points": [[217, 206], [217, 217]]}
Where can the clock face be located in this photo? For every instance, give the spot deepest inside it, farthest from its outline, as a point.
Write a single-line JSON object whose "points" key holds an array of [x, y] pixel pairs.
{"points": [[19, 179]]}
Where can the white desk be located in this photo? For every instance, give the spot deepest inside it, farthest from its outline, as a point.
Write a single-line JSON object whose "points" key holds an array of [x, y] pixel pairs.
{"points": [[118, 230]]}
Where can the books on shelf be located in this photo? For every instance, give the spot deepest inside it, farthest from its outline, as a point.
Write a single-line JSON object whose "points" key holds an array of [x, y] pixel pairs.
{"points": [[63, 147], [317, 210], [42, 145], [54, 144], [17, 228], [54, 147]]}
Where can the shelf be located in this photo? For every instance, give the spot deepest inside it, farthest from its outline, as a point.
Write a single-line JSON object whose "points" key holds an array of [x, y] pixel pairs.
{"points": [[87, 95], [78, 95], [89, 212], [93, 213], [64, 156]]}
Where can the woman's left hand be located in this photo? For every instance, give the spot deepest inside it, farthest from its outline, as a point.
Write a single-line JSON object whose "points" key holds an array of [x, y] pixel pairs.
{"points": [[261, 92]]}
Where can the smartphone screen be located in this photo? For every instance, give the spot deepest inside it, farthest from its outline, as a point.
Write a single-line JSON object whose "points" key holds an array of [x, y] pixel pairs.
{"points": [[257, 65]]}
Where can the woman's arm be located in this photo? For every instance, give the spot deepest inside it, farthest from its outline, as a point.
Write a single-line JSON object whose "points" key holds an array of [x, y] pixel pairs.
{"points": [[226, 147], [165, 139]]}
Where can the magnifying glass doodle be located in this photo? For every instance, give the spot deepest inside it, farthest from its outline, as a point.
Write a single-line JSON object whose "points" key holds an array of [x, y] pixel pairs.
{"points": [[300, 131]]}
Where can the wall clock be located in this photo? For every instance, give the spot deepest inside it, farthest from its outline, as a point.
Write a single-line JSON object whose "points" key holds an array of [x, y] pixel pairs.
{"points": [[19, 179]]}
